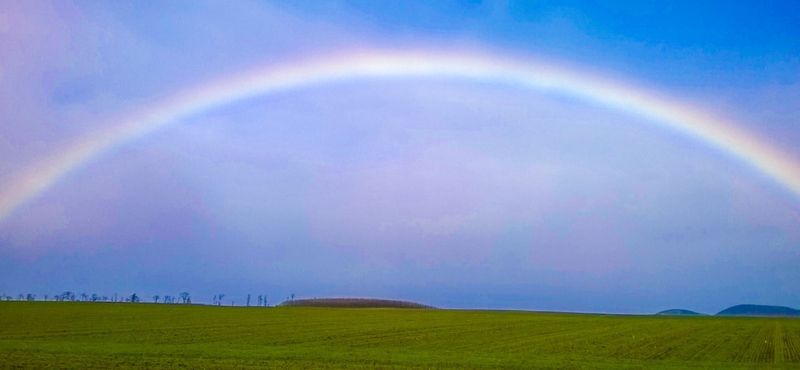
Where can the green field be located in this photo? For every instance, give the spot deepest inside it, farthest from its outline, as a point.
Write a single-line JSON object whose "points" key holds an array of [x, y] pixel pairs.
{"points": [[117, 335]]}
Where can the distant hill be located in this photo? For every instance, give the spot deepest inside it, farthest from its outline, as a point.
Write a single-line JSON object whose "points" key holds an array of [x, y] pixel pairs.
{"points": [[758, 310], [679, 312], [352, 303]]}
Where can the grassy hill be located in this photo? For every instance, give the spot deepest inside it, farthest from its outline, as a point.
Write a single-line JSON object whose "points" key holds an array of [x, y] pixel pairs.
{"points": [[35, 335], [759, 310], [679, 312], [352, 303]]}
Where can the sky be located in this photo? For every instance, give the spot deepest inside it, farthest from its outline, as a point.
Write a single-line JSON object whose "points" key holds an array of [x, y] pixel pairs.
{"points": [[455, 192]]}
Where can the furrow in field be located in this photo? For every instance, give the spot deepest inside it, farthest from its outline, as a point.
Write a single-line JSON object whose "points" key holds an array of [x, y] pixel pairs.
{"points": [[673, 342], [755, 343], [353, 327], [716, 346], [705, 342], [589, 340], [531, 341], [791, 342], [503, 339], [580, 338], [646, 341], [470, 337], [391, 333], [777, 342], [740, 338]]}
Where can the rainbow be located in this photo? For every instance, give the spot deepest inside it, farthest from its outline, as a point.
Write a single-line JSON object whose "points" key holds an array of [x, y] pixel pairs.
{"points": [[712, 130]]}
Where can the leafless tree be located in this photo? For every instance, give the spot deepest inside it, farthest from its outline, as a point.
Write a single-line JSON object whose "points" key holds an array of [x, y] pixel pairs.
{"points": [[248, 300], [155, 298], [219, 301], [185, 297]]}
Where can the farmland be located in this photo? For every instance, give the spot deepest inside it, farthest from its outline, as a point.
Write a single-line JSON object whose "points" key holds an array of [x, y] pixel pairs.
{"points": [[106, 335]]}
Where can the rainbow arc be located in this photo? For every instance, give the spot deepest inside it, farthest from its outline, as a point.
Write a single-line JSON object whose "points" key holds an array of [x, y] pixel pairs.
{"points": [[714, 131]]}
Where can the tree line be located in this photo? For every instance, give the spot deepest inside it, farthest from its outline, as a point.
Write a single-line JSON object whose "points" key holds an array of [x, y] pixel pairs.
{"points": [[182, 298]]}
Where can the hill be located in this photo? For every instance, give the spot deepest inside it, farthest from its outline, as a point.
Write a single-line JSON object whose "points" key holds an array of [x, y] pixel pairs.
{"points": [[758, 310], [353, 303], [679, 312]]}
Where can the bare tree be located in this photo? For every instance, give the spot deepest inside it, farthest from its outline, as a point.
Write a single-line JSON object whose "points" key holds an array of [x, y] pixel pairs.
{"points": [[133, 298], [248, 300], [155, 298], [259, 300], [185, 297], [219, 302], [30, 297]]}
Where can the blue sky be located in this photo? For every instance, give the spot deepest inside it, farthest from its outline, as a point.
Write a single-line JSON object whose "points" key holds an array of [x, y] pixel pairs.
{"points": [[455, 194]]}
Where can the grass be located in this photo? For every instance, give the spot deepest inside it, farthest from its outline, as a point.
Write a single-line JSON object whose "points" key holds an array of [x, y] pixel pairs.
{"points": [[113, 335]]}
